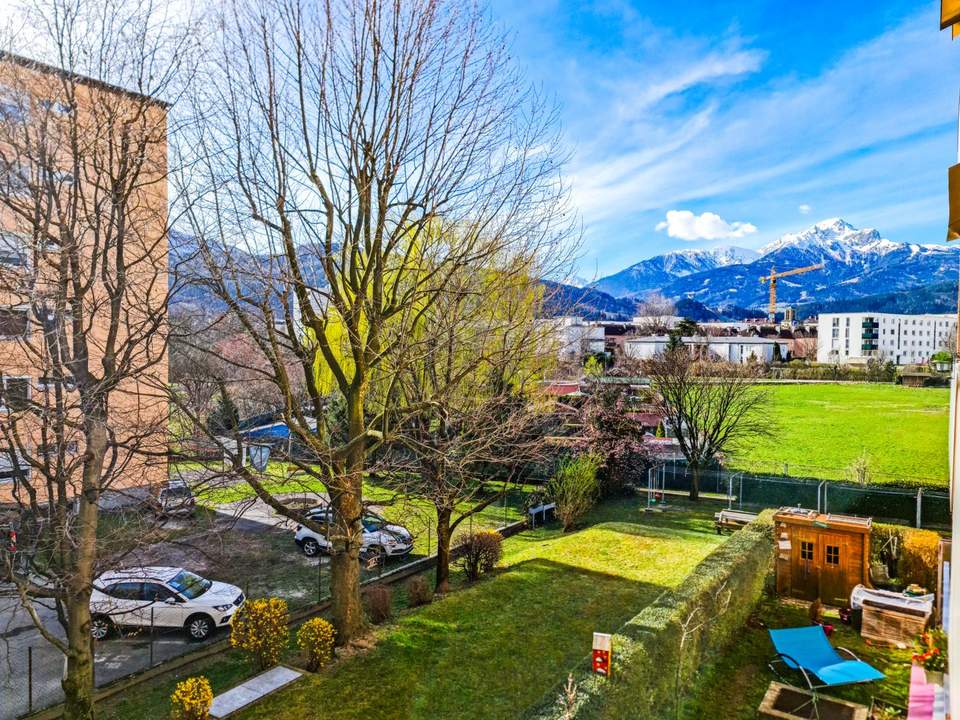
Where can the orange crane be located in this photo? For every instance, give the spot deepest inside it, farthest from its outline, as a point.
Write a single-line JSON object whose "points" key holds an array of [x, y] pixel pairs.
{"points": [[772, 279]]}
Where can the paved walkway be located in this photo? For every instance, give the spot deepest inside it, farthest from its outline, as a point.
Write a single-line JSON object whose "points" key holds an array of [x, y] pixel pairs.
{"points": [[249, 692]]}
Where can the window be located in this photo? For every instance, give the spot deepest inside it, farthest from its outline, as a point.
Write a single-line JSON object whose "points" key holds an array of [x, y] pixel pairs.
{"points": [[60, 108], [46, 383], [153, 592], [13, 322], [12, 105], [833, 554], [14, 179], [14, 393], [12, 250], [806, 550], [69, 448], [10, 470], [126, 591]]}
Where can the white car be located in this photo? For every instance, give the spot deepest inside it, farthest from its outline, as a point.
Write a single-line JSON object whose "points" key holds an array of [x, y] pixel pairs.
{"points": [[164, 597], [380, 539]]}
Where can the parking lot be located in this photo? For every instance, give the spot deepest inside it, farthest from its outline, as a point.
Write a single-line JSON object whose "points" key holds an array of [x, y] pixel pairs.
{"points": [[247, 545]]}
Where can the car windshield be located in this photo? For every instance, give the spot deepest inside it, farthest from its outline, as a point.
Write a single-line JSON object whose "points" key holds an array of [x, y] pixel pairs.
{"points": [[177, 492], [189, 585], [370, 524]]}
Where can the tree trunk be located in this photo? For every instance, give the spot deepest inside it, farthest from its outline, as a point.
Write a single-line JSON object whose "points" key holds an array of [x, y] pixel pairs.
{"points": [[347, 503], [694, 482], [78, 682], [443, 549]]}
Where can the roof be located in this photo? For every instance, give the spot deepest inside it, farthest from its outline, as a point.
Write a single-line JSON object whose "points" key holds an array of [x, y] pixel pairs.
{"points": [[153, 572], [43, 67]]}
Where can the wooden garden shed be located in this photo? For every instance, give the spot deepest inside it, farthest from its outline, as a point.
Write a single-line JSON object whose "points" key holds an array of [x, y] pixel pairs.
{"points": [[821, 555]]}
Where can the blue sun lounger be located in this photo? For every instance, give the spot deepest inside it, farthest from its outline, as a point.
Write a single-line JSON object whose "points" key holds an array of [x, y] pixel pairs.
{"points": [[808, 651]]}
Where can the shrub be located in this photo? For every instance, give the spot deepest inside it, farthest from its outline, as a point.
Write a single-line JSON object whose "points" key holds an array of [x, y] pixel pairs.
{"points": [[379, 599], [918, 558], [315, 639], [574, 488], [419, 591], [192, 699], [478, 553], [260, 630]]}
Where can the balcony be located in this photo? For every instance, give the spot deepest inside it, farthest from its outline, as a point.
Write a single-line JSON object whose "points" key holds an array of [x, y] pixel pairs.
{"points": [[870, 325]]}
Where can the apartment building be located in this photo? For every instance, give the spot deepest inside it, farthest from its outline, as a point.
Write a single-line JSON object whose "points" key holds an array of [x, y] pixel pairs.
{"points": [[573, 338], [854, 338], [83, 278], [734, 349]]}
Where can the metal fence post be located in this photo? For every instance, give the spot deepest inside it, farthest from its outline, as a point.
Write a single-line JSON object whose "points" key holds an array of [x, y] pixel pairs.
{"points": [[319, 578], [151, 637], [825, 486], [30, 678], [429, 539], [919, 507], [729, 492]]}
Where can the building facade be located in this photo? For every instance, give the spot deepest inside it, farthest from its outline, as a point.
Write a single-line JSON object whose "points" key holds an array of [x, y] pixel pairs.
{"points": [[733, 349], [83, 279], [856, 338], [574, 338]]}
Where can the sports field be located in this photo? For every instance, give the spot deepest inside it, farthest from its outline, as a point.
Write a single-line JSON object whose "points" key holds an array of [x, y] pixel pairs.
{"points": [[821, 429]]}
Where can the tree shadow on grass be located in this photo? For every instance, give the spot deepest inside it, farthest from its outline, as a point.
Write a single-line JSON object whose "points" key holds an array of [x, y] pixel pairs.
{"points": [[484, 652]]}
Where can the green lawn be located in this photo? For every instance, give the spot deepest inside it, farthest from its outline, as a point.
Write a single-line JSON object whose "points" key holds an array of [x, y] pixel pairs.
{"points": [[738, 678], [820, 429], [490, 649]]}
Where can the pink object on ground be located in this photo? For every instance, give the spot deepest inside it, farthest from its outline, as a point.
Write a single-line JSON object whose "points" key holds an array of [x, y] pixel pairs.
{"points": [[927, 702]]}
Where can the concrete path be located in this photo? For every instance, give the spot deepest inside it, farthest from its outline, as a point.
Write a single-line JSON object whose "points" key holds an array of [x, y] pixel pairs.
{"points": [[252, 690]]}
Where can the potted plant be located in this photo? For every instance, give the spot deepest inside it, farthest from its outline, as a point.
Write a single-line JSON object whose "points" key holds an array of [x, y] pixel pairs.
{"points": [[932, 655], [884, 710]]}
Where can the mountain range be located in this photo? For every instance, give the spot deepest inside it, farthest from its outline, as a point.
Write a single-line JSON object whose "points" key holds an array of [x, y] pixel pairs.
{"points": [[858, 264]]}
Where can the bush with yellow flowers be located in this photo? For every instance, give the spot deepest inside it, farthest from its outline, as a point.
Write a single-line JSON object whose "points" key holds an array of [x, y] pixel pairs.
{"points": [[192, 699], [315, 639], [260, 630]]}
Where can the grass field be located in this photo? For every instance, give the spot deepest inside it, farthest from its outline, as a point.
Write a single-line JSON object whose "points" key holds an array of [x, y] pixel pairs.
{"points": [[492, 648], [737, 678], [820, 429]]}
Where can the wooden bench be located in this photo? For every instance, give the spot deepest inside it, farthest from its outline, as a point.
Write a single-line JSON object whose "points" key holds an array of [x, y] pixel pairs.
{"points": [[542, 510], [731, 520]]}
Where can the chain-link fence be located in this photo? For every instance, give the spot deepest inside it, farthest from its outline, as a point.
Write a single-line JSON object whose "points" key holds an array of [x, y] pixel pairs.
{"points": [[741, 489]]}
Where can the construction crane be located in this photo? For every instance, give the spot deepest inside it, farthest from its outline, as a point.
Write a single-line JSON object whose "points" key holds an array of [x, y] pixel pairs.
{"points": [[772, 279]]}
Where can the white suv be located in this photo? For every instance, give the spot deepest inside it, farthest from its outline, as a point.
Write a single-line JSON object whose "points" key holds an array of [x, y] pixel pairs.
{"points": [[163, 597], [380, 539]]}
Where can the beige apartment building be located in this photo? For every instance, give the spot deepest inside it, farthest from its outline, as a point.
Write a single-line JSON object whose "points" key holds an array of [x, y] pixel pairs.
{"points": [[83, 280]]}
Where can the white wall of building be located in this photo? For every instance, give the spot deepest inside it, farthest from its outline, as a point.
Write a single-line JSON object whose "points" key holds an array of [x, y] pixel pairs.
{"points": [[903, 339], [575, 338], [729, 349]]}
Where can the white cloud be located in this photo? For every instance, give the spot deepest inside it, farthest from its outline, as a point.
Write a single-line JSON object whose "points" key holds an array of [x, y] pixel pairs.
{"points": [[804, 209], [684, 225]]}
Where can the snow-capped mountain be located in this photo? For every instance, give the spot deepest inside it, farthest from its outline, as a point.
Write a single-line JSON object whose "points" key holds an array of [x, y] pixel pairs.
{"points": [[857, 263], [660, 270]]}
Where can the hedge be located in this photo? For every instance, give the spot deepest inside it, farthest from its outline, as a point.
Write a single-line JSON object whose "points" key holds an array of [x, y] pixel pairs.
{"points": [[702, 614]]}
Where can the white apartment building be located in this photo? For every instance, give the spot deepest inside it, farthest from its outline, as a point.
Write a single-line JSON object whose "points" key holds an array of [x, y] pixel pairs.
{"points": [[734, 349], [574, 338], [854, 338]]}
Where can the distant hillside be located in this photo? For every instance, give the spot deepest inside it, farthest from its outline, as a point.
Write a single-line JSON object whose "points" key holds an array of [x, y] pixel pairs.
{"points": [[591, 304], [935, 298]]}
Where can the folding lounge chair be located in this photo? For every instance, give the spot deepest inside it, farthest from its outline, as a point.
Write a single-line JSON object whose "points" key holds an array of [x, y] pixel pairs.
{"points": [[807, 650]]}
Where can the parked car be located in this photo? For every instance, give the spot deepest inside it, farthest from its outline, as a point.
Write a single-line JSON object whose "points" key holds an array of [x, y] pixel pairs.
{"points": [[380, 538], [162, 597], [174, 498]]}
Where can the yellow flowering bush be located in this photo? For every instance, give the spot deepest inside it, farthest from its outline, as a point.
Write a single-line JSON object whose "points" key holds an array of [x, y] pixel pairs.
{"points": [[260, 629], [192, 699], [315, 638]]}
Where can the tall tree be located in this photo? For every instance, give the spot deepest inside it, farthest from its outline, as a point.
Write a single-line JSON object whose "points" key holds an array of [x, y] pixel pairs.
{"points": [[473, 365], [711, 406], [83, 280], [338, 135]]}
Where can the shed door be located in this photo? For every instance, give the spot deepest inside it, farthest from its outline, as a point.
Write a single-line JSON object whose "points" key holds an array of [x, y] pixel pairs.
{"points": [[834, 551], [806, 582]]}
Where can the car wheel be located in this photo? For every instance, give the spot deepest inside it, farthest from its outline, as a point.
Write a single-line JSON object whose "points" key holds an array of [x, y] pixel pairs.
{"points": [[311, 548], [199, 627], [376, 555], [100, 627]]}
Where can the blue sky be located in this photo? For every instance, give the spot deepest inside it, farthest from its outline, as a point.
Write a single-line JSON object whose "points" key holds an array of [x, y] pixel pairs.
{"points": [[768, 116]]}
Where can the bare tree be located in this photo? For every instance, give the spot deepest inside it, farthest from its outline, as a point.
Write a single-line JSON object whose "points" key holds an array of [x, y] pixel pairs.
{"points": [[655, 313], [83, 280], [340, 137], [476, 359], [711, 406]]}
